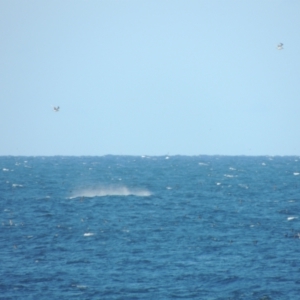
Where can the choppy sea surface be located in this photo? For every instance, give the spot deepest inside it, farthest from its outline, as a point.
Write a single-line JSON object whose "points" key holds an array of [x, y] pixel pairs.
{"points": [[131, 227]]}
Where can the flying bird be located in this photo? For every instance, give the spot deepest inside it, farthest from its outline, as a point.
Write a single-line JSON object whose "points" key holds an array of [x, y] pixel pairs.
{"points": [[280, 46], [56, 108]]}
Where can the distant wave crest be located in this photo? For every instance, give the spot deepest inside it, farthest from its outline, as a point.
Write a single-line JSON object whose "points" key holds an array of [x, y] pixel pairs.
{"points": [[103, 191]]}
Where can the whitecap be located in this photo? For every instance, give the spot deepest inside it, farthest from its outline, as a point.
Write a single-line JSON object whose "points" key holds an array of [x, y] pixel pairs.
{"points": [[296, 173], [242, 185], [5, 170], [17, 185], [88, 234], [291, 218]]}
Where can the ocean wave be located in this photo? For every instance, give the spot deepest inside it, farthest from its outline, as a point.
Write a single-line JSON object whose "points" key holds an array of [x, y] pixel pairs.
{"points": [[104, 191]]}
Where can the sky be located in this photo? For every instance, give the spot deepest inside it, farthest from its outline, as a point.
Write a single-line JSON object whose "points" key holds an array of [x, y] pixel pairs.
{"points": [[165, 77]]}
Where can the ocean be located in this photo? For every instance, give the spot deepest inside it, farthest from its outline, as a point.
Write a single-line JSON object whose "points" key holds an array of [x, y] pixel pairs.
{"points": [[146, 227]]}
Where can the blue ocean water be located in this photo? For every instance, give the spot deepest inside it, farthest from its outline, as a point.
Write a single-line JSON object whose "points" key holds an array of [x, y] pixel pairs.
{"points": [[129, 227]]}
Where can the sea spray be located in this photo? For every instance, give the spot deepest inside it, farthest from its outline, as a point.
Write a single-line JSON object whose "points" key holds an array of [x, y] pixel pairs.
{"points": [[111, 190]]}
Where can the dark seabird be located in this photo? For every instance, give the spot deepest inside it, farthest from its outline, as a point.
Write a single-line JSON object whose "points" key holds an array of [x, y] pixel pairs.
{"points": [[280, 46], [56, 108]]}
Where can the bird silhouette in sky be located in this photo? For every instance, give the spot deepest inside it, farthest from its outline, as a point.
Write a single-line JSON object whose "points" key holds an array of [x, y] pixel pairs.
{"points": [[280, 46]]}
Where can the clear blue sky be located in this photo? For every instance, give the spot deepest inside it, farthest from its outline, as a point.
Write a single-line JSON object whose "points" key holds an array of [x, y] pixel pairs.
{"points": [[150, 77]]}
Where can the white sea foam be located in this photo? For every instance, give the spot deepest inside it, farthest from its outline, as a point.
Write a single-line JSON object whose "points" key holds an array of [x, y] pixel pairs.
{"points": [[296, 173], [81, 286], [102, 191], [88, 234], [5, 170], [242, 185], [17, 185], [291, 218]]}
